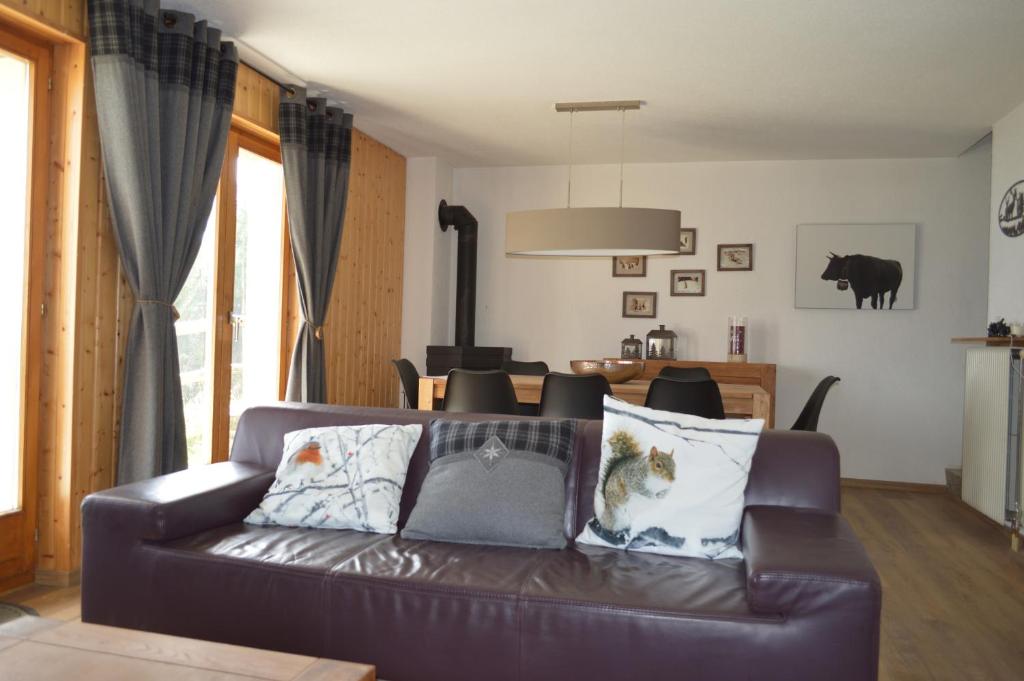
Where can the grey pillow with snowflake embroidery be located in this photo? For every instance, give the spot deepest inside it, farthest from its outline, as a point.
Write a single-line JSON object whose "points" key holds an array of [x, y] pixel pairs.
{"points": [[495, 482]]}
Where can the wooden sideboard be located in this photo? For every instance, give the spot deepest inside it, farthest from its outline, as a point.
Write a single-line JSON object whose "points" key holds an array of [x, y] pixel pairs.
{"points": [[746, 373]]}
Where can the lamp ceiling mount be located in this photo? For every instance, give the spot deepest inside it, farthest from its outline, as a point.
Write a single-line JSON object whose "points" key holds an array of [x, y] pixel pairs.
{"points": [[614, 105]]}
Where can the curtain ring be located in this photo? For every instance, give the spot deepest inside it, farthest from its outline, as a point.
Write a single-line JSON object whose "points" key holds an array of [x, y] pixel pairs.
{"points": [[170, 21]]}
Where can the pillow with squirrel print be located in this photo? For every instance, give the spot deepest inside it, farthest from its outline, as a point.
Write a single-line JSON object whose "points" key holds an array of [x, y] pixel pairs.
{"points": [[340, 477], [671, 483]]}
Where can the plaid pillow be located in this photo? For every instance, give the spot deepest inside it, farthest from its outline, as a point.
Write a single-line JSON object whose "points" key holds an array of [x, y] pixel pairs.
{"points": [[495, 482]]}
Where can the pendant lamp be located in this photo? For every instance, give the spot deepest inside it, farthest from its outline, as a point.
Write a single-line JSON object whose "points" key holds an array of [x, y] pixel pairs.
{"points": [[588, 232]]}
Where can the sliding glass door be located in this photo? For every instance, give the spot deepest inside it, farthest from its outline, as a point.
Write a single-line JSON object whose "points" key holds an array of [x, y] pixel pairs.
{"points": [[256, 313], [24, 70], [230, 331]]}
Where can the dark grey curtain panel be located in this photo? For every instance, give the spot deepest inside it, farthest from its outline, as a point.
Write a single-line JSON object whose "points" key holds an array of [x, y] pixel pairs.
{"points": [[165, 85], [316, 151]]}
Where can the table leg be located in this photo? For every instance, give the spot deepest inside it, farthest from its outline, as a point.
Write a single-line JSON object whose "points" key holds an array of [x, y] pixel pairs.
{"points": [[762, 408], [426, 394]]}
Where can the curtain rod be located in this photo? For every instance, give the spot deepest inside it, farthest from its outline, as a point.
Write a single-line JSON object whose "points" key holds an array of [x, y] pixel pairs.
{"points": [[290, 90]]}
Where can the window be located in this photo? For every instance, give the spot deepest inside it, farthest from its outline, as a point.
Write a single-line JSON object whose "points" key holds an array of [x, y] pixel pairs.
{"points": [[15, 163], [230, 330], [256, 314]]}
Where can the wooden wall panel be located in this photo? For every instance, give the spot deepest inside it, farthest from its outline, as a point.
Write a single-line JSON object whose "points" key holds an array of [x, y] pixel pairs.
{"points": [[256, 99], [364, 321], [65, 16]]}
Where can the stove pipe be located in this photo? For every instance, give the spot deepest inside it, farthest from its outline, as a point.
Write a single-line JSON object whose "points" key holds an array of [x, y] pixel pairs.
{"points": [[465, 279]]}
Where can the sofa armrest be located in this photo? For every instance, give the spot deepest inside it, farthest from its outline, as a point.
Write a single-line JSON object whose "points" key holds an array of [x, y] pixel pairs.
{"points": [[794, 469], [179, 504], [806, 561]]}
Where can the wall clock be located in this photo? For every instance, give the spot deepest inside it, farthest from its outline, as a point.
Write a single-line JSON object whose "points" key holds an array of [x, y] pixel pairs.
{"points": [[1011, 210]]}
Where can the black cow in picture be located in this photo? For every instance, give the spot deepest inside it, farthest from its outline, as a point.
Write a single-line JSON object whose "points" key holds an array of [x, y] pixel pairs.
{"points": [[868, 276]]}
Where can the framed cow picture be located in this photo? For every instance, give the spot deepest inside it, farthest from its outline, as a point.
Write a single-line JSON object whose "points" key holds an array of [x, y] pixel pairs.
{"points": [[856, 267], [629, 265], [639, 304], [687, 241], [687, 282], [735, 257]]}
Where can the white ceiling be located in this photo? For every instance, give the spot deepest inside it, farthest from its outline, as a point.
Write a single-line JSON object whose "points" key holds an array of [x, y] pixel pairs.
{"points": [[474, 81]]}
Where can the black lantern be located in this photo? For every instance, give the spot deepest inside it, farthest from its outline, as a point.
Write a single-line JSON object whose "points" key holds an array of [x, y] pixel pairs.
{"points": [[632, 348], [661, 343]]}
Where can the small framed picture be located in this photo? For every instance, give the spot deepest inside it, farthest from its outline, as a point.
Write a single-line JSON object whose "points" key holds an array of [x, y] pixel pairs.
{"points": [[687, 282], [629, 266], [688, 241], [639, 304], [735, 257]]}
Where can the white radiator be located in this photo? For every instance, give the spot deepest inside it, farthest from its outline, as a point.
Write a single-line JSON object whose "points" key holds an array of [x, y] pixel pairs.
{"points": [[992, 420]]}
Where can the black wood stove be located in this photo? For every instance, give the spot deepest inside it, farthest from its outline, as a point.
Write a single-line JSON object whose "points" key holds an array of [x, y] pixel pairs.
{"points": [[465, 354]]}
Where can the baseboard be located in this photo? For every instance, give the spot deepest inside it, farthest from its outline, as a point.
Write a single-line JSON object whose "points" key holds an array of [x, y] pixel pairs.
{"points": [[14, 581], [58, 578], [893, 486]]}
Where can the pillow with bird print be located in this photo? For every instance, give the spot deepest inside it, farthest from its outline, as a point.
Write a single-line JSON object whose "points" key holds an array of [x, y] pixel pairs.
{"points": [[671, 483], [340, 477]]}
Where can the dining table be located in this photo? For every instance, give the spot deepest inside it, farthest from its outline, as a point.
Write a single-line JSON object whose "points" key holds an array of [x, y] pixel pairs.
{"points": [[740, 400]]}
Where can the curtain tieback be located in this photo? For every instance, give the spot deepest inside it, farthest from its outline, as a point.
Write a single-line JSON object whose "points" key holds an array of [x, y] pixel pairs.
{"points": [[174, 310], [318, 331]]}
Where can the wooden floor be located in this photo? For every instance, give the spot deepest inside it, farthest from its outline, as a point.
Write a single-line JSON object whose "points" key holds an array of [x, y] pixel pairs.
{"points": [[49, 601], [953, 592]]}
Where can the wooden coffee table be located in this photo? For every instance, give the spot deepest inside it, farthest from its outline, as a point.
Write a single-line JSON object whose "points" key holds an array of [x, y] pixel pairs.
{"points": [[35, 648]]}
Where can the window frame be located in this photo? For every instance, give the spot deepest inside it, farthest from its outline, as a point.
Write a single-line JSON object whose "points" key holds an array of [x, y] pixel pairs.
{"points": [[21, 523], [248, 136]]}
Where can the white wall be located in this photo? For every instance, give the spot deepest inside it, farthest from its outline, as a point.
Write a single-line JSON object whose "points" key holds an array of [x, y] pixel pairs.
{"points": [[1006, 278], [426, 281], [897, 413]]}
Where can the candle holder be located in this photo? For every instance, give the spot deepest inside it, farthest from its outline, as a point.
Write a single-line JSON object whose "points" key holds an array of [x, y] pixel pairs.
{"points": [[737, 339]]}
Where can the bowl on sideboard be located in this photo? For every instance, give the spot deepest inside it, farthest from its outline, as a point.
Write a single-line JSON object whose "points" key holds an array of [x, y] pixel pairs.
{"points": [[615, 370]]}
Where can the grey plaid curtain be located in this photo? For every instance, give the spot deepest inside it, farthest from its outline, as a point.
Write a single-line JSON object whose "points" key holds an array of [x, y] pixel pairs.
{"points": [[165, 86], [316, 152]]}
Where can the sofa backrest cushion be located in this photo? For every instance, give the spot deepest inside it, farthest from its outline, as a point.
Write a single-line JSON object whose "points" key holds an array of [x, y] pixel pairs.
{"points": [[790, 468], [260, 437]]}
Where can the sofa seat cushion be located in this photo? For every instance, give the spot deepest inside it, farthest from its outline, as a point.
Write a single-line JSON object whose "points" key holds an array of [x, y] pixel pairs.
{"points": [[315, 550], [469, 569], [646, 583], [265, 587], [595, 612], [454, 609]]}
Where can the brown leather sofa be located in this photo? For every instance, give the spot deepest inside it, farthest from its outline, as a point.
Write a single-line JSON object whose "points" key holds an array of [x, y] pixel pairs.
{"points": [[172, 555]]}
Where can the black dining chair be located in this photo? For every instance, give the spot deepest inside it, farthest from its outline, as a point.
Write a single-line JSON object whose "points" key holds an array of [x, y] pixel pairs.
{"points": [[525, 368], [808, 419], [569, 396], [410, 381], [481, 392], [685, 373], [699, 398]]}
